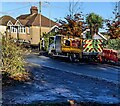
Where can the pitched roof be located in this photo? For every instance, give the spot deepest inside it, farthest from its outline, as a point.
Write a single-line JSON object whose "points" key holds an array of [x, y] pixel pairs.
{"points": [[23, 22], [34, 20], [4, 20], [25, 16]]}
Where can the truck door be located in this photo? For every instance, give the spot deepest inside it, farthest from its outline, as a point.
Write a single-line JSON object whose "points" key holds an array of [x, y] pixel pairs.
{"points": [[58, 44], [51, 44]]}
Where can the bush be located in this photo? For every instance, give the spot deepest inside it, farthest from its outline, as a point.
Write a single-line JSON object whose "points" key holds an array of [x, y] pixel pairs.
{"points": [[12, 60], [114, 44], [46, 39]]}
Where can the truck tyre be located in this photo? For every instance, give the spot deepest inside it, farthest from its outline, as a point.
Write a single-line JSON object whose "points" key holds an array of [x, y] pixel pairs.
{"points": [[52, 54], [71, 58]]}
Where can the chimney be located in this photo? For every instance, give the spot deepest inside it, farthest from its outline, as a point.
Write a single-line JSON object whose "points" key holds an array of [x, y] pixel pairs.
{"points": [[34, 10]]}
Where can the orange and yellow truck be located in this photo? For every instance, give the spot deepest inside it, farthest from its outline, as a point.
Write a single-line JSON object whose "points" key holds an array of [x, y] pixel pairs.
{"points": [[75, 48]]}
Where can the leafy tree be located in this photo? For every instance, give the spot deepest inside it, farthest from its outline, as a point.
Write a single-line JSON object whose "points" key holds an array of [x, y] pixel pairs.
{"points": [[94, 22], [73, 26], [113, 29], [114, 25]]}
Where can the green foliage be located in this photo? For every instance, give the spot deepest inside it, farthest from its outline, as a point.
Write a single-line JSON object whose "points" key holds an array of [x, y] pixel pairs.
{"points": [[94, 22], [114, 44], [46, 39], [12, 60], [88, 36], [94, 19]]}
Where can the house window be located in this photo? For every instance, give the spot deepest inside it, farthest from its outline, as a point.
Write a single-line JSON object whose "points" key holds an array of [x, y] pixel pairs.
{"points": [[21, 29], [28, 29], [15, 29], [12, 29], [24, 30]]}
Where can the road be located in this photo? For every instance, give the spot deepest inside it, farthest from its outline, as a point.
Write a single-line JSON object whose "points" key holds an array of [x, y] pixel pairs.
{"points": [[59, 81], [100, 71]]}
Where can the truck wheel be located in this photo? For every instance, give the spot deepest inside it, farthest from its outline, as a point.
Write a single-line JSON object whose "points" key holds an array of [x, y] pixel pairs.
{"points": [[71, 58], [52, 54]]}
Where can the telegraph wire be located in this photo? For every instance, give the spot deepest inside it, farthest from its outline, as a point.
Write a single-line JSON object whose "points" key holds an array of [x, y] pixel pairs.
{"points": [[14, 10], [20, 8]]}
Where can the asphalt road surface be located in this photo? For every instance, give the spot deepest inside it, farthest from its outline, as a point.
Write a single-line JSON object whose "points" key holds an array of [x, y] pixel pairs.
{"points": [[101, 71], [59, 81]]}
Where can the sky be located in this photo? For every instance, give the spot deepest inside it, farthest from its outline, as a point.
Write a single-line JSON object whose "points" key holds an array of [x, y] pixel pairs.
{"points": [[57, 10]]}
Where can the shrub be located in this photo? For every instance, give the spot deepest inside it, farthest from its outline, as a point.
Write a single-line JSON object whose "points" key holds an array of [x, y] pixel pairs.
{"points": [[114, 44], [12, 60], [46, 39]]}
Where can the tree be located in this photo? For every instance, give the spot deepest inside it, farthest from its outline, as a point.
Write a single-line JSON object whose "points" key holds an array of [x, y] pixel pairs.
{"points": [[74, 8], [113, 29], [114, 25], [73, 26], [94, 22]]}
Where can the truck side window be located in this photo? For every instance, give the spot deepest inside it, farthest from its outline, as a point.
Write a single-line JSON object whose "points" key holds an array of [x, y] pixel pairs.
{"points": [[51, 40], [78, 43], [67, 43]]}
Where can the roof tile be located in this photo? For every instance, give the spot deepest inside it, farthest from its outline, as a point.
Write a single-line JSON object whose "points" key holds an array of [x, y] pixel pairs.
{"points": [[34, 20], [4, 20]]}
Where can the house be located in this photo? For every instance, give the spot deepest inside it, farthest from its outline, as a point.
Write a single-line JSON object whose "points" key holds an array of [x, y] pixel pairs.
{"points": [[28, 27], [32, 25], [4, 20]]}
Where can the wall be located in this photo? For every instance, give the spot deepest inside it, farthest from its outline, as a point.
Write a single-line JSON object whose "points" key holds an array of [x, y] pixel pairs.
{"points": [[32, 34], [35, 33], [24, 36], [2, 30], [13, 35], [45, 29]]}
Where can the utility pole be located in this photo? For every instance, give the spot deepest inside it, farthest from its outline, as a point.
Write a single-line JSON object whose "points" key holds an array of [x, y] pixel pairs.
{"points": [[119, 10], [50, 16], [40, 7]]}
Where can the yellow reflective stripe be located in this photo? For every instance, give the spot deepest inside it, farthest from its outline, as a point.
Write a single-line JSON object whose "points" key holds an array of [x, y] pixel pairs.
{"points": [[89, 46]]}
